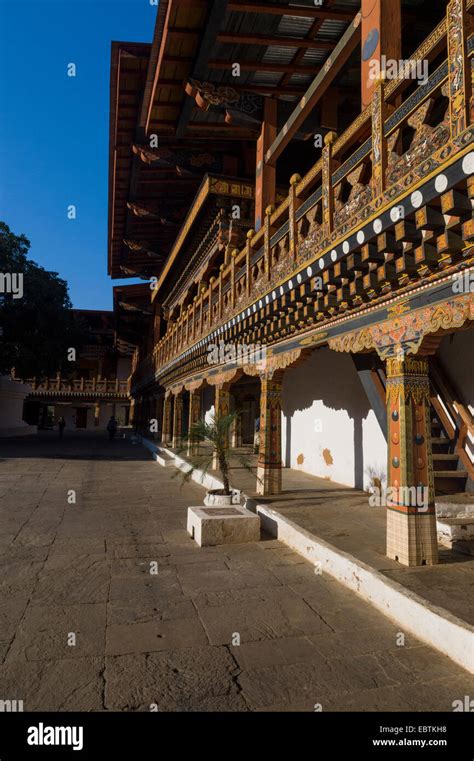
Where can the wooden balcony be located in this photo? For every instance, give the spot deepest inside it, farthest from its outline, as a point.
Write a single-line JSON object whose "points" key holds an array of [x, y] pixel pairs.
{"points": [[386, 207]]}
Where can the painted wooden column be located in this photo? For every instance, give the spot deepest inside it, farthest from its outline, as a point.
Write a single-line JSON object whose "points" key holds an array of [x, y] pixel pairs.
{"points": [[379, 143], [201, 312], [328, 190], [248, 260], [381, 37], [221, 409], [460, 27], [265, 176], [221, 305], [233, 256], [177, 420], [294, 204], [267, 235], [194, 415], [96, 414], [132, 413], [236, 433], [166, 429], [236, 429], [411, 517], [269, 455]]}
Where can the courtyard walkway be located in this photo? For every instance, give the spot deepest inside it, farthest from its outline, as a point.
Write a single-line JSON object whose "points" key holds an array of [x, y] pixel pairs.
{"points": [[86, 622]]}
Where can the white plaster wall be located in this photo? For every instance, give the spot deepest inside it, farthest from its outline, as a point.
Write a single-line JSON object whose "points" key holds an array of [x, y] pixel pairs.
{"points": [[328, 426]]}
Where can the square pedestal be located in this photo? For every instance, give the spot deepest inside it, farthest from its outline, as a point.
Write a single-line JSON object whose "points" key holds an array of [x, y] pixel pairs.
{"points": [[210, 526]]}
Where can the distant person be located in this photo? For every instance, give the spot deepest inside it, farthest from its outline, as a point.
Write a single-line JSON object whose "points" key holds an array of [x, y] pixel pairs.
{"points": [[61, 426], [112, 427]]}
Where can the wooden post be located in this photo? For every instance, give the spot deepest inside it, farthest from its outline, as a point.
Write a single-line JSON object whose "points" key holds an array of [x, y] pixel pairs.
{"points": [[220, 290], [460, 27], [328, 192], [381, 37], [177, 420], [265, 177], [379, 143], [248, 260], [269, 455], [221, 409], [266, 239], [411, 517], [194, 415], [234, 254], [293, 208], [166, 430]]}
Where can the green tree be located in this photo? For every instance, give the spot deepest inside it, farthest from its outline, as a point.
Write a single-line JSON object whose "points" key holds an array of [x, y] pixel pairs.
{"points": [[215, 433], [36, 324]]}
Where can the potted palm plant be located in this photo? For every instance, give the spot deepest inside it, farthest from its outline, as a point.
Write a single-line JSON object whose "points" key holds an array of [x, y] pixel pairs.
{"points": [[215, 433]]}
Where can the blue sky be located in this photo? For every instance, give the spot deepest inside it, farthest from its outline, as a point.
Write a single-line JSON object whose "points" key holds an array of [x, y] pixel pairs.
{"points": [[54, 131]]}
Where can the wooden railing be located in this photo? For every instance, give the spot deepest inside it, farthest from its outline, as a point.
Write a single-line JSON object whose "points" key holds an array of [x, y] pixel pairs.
{"points": [[82, 386], [359, 173]]}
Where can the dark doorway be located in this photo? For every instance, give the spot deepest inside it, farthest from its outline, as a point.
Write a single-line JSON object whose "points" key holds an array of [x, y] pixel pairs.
{"points": [[81, 417]]}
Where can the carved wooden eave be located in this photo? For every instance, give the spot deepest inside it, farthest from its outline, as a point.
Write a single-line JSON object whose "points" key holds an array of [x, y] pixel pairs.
{"points": [[194, 385], [403, 334], [225, 376]]}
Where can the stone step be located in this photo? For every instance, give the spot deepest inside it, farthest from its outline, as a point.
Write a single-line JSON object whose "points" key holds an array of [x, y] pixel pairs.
{"points": [[457, 533], [457, 505], [164, 459]]}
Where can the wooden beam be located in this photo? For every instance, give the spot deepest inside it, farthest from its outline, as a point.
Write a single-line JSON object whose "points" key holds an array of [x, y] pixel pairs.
{"points": [[213, 23], [265, 176], [230, 132], [158, 64], [183, 32], [177, 59], [381, 36], [289, 10], [279, 68], [287, 42], [316, 90]]}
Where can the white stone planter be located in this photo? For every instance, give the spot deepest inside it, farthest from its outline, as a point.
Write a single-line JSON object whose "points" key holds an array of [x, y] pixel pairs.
{"points": [[214, 498], [210, 526]]}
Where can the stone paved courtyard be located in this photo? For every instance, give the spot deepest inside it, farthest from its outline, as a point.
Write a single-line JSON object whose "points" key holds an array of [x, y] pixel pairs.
{"points": [[82, 571]]}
